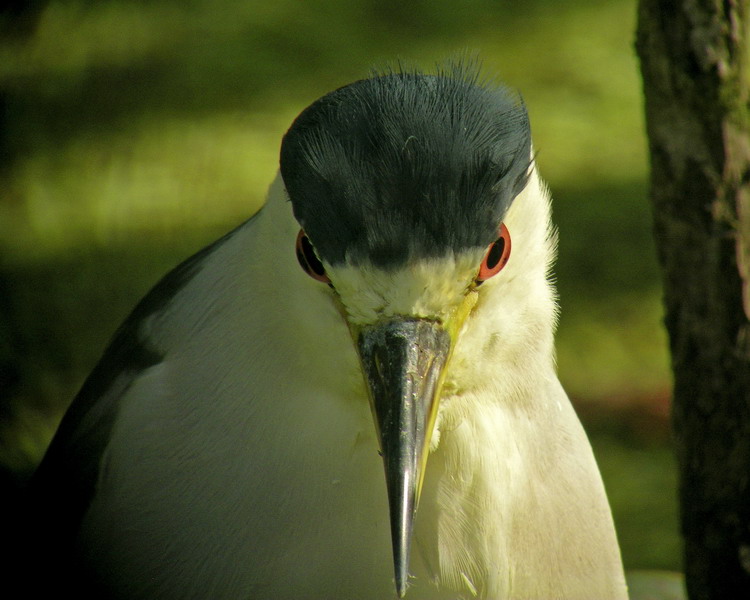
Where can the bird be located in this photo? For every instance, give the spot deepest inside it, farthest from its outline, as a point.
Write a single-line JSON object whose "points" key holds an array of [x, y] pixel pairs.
{"points": [[351, 395]]}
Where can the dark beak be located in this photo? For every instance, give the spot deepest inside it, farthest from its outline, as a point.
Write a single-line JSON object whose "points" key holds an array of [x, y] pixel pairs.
{"points": [[403, 361]]}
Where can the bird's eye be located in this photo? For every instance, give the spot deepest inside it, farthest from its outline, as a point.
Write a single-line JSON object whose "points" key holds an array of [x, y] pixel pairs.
{"points": [[308, 260], [496, 257]]}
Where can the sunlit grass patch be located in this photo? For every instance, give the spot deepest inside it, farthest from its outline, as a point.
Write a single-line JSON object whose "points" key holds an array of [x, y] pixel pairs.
{"points": [[162, 176], [615, 348]]}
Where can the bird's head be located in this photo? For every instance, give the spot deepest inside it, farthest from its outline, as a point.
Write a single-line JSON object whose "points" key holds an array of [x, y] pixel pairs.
{"points": [[400, 184]]}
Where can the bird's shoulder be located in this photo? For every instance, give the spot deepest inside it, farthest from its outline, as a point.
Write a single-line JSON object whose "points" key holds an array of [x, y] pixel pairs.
{"points": [[65, 481]]}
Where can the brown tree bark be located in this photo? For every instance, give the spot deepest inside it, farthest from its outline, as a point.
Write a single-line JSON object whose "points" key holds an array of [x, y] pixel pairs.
{"points": [[693, 63]]}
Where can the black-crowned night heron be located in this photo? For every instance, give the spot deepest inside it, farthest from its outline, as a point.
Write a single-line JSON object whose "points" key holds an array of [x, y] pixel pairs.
{"points": [[224, 446]]}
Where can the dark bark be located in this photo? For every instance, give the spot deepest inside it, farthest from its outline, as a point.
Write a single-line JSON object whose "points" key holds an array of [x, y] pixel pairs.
{"points": [[693, 62]]}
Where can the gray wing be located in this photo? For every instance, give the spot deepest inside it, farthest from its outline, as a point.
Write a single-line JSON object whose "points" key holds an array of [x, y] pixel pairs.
{"points": [[60, 491]]}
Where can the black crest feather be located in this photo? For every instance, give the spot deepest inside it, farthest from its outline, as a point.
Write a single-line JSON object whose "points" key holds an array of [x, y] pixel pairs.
{"points": [[406, 165]]}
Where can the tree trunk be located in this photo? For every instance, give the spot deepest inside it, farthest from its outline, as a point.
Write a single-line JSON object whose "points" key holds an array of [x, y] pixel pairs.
{"points": [[693, 61]]}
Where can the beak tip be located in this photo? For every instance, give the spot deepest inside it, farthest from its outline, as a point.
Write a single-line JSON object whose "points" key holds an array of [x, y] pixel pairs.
{"points": [[403, 507], [401, 553], [401, 582]]}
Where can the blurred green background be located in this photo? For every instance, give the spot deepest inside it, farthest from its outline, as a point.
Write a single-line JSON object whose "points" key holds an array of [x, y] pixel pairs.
{"points": [[134, 132]]}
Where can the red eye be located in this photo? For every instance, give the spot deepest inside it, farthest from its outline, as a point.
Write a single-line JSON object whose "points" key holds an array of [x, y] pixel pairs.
{"points": [[308, 260], [496, 257]]}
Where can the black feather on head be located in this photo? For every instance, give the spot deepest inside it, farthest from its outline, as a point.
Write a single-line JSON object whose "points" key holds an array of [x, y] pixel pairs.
{"points": [[406, 165]]}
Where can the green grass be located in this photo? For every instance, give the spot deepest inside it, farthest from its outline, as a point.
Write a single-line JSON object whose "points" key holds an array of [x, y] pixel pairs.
{"points": [[138, 132], [639, 472]]}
